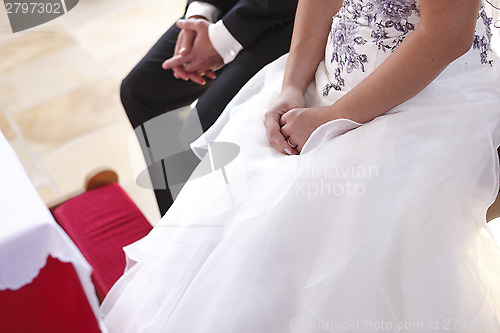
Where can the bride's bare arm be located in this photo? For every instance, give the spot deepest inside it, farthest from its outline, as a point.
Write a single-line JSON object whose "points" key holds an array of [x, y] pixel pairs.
{"points": [[445, 32], [310, 33]]}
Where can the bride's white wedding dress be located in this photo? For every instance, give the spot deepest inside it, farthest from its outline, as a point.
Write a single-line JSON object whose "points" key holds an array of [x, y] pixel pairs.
{"points": [[374, 227]]}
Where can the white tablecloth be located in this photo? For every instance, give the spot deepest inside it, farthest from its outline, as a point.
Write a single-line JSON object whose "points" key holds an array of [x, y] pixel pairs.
{"points": [[28, 232]]}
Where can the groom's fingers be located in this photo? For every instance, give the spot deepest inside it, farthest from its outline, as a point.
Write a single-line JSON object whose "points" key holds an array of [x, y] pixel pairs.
{"points": [[178, 43], [184, 43], [211, 74], [196, 78], [180, 73], [175, 61], [193, 24]]}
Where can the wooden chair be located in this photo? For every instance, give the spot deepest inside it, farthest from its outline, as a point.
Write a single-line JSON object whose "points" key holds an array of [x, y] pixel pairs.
{"points": [[101, 221], [494, 210]]}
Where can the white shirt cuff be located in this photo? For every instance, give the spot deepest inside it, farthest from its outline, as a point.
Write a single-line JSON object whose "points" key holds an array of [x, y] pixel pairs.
{"points": [[208, 11], [223, 42]]}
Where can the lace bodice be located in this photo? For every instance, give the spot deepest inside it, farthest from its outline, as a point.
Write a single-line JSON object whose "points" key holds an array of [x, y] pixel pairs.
{"points": [[365, 32]]}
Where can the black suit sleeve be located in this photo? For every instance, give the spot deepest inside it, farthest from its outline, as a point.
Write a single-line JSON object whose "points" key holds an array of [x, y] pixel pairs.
{"points": [[246, 20]]}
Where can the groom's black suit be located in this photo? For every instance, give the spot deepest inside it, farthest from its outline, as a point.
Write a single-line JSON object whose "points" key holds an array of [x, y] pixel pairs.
{"points": [[262, 27]]}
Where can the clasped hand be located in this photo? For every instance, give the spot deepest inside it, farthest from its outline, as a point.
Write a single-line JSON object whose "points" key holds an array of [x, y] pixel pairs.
{"points": [[194, 56], [289, 124]]}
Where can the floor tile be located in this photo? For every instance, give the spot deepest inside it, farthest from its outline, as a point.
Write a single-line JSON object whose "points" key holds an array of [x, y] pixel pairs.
{"points": [[6, 126], [48, 195], [67, 166], [121, 64], [31, 165], [25, 47], [88, 11], [137, 25], [48, 77], [71, 115], [5, 29]]}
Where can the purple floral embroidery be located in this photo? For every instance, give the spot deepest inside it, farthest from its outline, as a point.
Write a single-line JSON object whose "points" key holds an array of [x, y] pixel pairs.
{"points": [[393, 14], [344, 39], [395, 10], [483, 43], [390, 23], [379, 14]]}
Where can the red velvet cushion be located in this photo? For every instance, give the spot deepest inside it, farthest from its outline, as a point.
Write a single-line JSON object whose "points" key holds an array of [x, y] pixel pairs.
{"points": [[101, 222], [54, 302]]}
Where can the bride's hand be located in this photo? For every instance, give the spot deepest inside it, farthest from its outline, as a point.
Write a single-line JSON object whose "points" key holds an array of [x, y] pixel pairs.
{"points": [[298, 124], [286, 101]]}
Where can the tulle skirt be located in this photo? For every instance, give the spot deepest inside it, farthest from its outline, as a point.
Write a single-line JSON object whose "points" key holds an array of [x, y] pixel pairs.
{"points": [[374, 227]]}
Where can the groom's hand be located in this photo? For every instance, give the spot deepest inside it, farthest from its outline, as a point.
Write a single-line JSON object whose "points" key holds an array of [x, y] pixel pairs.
{"points": [[184, 43], [183, 46], [194, 56]]}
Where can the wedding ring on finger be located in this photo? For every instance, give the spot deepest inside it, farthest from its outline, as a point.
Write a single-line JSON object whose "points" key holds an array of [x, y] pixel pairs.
{"points": [[288, 141]]}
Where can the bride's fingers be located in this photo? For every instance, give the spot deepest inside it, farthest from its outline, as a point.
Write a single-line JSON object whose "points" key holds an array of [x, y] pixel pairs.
{"points": [[274, 136], [274, 132], [284, 118], [281, 144], [282, 121], [294, 147], [285, 131]]}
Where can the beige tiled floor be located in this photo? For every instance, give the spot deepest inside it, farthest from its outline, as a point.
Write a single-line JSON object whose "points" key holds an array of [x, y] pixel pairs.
{"points": [[59, 100]]}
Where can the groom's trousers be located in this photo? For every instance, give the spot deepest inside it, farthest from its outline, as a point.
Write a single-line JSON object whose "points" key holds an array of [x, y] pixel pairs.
{"points": [[149, 91]]}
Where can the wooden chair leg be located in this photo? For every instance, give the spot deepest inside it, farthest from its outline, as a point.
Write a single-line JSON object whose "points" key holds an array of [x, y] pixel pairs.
{"points": [[100, 177], [494, 210]]}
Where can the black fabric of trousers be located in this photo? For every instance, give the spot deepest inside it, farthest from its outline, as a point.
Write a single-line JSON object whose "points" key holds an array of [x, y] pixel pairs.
{"points": [[149, 90]]}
